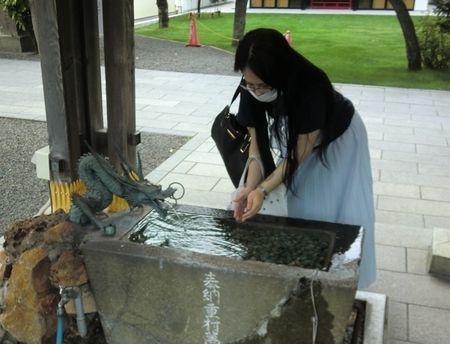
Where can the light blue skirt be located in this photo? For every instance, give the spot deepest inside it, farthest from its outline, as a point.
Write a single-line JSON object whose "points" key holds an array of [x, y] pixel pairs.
{"points": [[341, 193]]}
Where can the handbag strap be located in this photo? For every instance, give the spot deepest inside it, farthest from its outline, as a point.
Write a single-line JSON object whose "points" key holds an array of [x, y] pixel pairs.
{"points": [[236, 93], [247, 164]]}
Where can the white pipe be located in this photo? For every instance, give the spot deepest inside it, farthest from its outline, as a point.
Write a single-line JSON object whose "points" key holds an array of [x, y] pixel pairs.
{"points": [[44, 208], [81, 320]]}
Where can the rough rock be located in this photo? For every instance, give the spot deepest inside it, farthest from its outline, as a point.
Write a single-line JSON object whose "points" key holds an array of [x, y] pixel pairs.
{"points": [[31, 301], [68, 270], [26, 234], [65, 233], [3, 264]]}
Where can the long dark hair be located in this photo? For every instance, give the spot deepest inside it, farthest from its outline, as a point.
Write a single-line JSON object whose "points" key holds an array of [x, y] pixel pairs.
{"points": [[267, 53]]}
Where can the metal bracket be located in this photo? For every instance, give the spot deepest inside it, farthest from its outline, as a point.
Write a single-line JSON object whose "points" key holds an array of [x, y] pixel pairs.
{"points": [[134, 138]]}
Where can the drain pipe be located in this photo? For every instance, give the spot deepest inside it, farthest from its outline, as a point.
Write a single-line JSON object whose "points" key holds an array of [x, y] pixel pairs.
{"points": [[67, 294], [81, 319]]}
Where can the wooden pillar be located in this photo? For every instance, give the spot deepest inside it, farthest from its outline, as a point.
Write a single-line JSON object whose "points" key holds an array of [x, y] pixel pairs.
{"points": [[118, 33], [67, 35]]}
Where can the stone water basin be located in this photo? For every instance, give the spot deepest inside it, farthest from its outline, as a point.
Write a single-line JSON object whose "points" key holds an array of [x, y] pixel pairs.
{"points": [[164, 294]]}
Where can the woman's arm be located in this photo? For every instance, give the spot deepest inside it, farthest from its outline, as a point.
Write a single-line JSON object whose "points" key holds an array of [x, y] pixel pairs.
{"points": [[305, 145], [254, 176]]}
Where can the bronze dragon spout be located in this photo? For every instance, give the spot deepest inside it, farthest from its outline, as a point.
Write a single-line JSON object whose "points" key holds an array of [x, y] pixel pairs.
{"points": [[102, 182]]}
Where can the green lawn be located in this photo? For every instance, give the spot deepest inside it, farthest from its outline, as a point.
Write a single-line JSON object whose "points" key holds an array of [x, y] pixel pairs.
{"points": [[357, 49]]}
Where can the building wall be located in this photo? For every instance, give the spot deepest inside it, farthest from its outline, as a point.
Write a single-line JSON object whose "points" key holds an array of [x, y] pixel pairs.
{"points": [[146, 8], [416, 5], [421, 5]]}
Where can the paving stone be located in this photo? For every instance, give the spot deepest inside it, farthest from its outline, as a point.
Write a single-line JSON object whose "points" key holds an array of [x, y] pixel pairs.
{"points": [[191, 182], [397, 320], [216, 200], [439, 260], [405, 236], [393, 146], [389, 129], [206, 158], [375, 154], [417, 261], [414, 157], [209, 170], [201, 128], [391, 258], [393, 189], [429, 325], [399, 218], [414, 289], [224, 186], [174, 160], [183, 167], [414, 124], [436, 221], [409, 205], [437, 194], [437, 170], [390, 165], [413, 179]]}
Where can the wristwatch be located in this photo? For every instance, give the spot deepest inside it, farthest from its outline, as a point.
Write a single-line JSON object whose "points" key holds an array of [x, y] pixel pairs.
{"points": [[264, 191]]}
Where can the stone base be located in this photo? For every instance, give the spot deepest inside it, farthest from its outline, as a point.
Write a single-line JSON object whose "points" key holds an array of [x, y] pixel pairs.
{"points": [[17, 44], [158, 294], [439, 258], [375, 323]]}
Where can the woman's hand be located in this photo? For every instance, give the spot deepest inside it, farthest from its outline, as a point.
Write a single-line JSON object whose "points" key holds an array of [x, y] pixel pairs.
{"points": [[248, 202], [241, 202], [254, 204]]}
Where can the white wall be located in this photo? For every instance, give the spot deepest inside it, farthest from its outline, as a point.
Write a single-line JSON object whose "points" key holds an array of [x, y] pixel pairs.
{"points": [[148, 8], [421, 5], [191, 5]]}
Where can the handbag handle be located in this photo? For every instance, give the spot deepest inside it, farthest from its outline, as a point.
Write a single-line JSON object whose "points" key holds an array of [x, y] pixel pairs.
{"points": [[247, 164], [236, 93]]}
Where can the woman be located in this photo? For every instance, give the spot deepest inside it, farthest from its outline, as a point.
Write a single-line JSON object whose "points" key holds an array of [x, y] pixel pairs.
{"points": [[322, 142]]}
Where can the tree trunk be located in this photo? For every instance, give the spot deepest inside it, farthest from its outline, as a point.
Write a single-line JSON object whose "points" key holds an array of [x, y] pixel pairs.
{"points": [[239, 21], [409, 32], [163, 13], [199, 3]]}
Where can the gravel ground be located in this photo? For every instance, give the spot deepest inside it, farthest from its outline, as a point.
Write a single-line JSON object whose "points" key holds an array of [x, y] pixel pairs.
{"points": [[22, 194]]}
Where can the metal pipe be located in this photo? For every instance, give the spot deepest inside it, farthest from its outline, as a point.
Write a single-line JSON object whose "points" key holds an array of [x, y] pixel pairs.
{"points": [[60, 329], [60, 314]]}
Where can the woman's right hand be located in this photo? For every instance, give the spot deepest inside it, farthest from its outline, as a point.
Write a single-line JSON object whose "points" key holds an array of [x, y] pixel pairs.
{"points": [[241, 202]]}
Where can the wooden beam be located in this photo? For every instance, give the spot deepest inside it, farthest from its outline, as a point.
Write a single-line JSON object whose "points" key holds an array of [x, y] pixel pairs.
{"points": [[45, 25], [94, 109], [72, 91], [118, 28]]}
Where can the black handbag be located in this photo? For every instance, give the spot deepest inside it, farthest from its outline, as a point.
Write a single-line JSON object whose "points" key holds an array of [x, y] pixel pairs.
{"points": [[232, 141]]}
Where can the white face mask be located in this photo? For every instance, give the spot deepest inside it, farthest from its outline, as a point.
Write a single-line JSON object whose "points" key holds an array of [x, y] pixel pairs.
{"points": [[266, 97]]}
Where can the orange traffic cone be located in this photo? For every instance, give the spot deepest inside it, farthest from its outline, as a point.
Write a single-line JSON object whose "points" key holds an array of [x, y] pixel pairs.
{"points": [[193, 37], [287, 35]]}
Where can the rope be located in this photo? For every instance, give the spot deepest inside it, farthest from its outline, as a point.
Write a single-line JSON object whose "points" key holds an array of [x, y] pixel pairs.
{"points": [[215, 33]]}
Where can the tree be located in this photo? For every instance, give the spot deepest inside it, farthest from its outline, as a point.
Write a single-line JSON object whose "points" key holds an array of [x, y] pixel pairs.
{"points": [[239, 21], [19, 11], [163, 13], [443, 11], [409, 33]]}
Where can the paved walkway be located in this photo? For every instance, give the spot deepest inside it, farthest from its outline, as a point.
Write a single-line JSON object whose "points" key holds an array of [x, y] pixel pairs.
{"points": [[409, 133]]}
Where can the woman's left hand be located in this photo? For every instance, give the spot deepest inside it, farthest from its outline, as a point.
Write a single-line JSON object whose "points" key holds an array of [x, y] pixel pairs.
{"points": [[255, 201]]}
